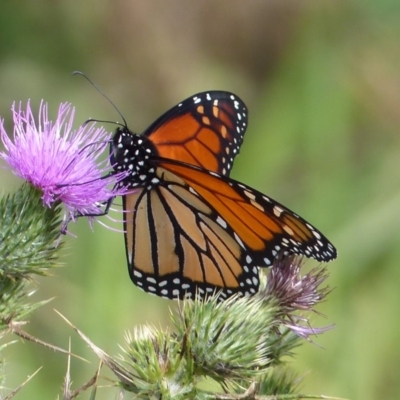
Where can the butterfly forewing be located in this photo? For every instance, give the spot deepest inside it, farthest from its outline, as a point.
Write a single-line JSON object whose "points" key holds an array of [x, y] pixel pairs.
{"points": [[264, 228], [205, 130]]}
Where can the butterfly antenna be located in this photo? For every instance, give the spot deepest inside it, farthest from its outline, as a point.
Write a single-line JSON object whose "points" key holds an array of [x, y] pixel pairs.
{"points": [[103, 94], [104, 121]]}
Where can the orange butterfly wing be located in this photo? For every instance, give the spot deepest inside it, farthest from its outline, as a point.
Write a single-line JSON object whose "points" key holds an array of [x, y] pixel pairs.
{"points": [[205, 130], [262, 226]]}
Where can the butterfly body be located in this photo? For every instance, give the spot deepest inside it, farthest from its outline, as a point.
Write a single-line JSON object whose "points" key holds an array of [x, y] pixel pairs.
{"points": [[191, 230]]}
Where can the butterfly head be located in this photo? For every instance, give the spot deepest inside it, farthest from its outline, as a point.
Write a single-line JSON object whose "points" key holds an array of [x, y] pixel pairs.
{"points": [[132, 153]]}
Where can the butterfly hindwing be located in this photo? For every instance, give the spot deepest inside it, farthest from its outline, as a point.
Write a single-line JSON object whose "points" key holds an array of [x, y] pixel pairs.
{"points": [[175, 247], [205, 130]]}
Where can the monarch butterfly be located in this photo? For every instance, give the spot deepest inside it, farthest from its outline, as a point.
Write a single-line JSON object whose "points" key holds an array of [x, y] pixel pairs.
{"points": [[189, 229]]}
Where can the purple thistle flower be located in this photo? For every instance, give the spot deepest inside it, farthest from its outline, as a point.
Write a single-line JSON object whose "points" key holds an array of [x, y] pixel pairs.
{"points": [[293, 293], [60, 161]]}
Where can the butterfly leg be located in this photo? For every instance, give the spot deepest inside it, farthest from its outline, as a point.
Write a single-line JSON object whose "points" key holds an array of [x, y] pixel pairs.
{"points": [[78, 215]]}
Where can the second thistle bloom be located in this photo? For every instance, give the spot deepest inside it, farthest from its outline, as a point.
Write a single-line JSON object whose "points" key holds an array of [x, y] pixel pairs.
{"points": [[294, 293], [60, 161]]}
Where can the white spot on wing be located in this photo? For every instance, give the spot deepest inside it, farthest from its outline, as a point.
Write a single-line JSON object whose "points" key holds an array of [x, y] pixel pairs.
{"points": [[222, 222], [237, 238], [135, 272]]}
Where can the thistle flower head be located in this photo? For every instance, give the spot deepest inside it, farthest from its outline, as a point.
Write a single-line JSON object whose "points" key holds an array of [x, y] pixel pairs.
{"points": [[294, 292], [60, 161]]}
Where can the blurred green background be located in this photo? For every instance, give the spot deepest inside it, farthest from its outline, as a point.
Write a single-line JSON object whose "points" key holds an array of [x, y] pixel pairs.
{"points": [[322, 82]]}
